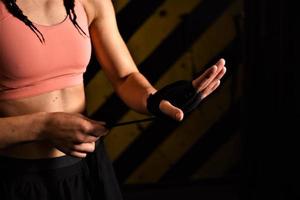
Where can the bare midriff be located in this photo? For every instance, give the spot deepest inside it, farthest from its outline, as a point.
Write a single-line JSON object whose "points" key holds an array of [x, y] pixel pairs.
{"points": [[70, 100]]}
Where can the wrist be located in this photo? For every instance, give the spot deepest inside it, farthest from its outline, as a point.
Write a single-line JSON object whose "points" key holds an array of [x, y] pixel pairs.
{"points": [[180, 94], [146, 99], [40, 123]]}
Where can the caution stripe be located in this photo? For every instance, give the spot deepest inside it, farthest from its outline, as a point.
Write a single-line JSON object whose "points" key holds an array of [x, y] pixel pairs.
{"points": [[120, 4], [118, 139], [134, 15], [160, 25], [129, 19], [220, 163]]}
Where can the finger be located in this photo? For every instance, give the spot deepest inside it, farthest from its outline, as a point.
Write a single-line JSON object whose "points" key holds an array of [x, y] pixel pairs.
{"points": [[98, 129], [69, 151], [84, 147], [221, 62], [99, 132], [78, 154], [214, 83], [167, 108], [213, 86], [203, 80], [90, 126], [89, 138], [101, 123], [220, 74]]}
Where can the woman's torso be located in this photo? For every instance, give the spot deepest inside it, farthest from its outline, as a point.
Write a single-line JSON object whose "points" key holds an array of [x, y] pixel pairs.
{"points": [[70, 99]]}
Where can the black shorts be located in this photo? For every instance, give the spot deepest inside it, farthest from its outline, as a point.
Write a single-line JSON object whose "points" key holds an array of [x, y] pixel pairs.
{"points": [[62, 178]]}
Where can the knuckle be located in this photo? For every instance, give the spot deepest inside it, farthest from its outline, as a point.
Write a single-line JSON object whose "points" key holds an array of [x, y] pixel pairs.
{"points": [[80, 137], [85, 126], [99, 133]]}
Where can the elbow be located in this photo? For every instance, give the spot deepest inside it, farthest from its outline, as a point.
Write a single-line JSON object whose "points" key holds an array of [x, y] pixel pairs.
{"points": [[122, 80]]}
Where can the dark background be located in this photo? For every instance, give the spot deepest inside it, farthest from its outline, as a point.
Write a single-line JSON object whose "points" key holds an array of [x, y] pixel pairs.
{"points": [[271, 101]]}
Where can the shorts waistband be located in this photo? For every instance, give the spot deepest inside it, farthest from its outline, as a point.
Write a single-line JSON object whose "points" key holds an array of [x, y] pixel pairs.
{"points": [[36, 165]]}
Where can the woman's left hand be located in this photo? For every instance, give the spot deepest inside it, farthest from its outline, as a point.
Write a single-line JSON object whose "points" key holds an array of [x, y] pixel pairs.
{"points": [[205, 84]]}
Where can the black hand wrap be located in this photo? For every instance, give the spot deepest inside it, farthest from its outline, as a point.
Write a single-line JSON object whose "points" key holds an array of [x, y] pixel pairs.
{"points": [[181, 94]]}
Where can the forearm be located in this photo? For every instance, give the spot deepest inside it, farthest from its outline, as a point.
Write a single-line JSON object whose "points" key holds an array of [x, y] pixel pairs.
{"points": [[20, 129], [134, 90]]}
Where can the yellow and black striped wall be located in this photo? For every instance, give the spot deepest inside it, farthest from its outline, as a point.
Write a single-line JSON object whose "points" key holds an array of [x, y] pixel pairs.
{"points": [[171, 40]]}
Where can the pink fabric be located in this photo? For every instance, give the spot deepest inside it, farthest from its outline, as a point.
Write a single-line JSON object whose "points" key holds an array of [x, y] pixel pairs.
{"points": [[29, 68]]}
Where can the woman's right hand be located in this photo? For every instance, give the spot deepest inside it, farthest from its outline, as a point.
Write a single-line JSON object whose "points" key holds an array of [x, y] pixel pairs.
{"points": [[73, 134]]}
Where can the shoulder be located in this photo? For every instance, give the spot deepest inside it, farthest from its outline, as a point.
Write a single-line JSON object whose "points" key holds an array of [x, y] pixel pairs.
{"points": [[97, 9], [88, 9]]}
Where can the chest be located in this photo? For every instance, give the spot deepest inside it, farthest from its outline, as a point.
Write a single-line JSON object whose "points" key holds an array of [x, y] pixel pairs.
{"points": [[45, 12], [22, 55]]}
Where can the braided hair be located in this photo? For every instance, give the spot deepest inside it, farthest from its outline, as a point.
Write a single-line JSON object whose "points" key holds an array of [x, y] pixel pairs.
{"points": [[14, 9]]}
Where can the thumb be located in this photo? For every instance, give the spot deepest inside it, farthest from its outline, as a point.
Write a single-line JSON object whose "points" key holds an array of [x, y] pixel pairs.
{"points": [[168, 109], [99, 128]]}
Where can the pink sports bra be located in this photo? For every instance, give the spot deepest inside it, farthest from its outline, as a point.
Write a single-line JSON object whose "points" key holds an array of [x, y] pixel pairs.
{"points": [[29, 67]]}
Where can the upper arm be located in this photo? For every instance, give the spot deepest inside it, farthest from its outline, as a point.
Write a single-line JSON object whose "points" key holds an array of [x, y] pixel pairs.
{"points": [[108, 44]]}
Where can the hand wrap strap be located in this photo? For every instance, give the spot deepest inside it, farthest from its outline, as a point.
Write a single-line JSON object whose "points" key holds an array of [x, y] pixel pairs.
{"points": [[181, 94]]}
